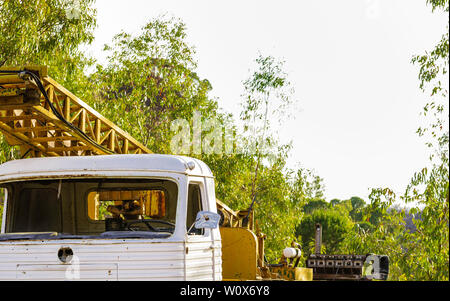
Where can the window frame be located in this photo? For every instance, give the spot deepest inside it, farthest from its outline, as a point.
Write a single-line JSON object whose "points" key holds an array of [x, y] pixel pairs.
{"points": [[5, 208], [178, 194], [203, 201]]}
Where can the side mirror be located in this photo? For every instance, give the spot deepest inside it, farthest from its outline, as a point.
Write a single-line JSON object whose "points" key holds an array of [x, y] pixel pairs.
{"points": [[206, 220]]}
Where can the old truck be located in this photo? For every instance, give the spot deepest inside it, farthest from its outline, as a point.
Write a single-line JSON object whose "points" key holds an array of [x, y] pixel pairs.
{"points": [[92, 203], [55, 212]]}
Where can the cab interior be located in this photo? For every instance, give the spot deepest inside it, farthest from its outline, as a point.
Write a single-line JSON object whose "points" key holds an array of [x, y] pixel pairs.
{"points": [[95, 206]]}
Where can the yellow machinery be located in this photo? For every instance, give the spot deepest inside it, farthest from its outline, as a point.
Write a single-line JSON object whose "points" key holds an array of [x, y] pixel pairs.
{"points": [[243, 250], [34, 123], [45, 119]]}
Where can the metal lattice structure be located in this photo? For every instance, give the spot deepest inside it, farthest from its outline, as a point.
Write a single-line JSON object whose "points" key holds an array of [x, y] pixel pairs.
{"points": [[27, 120]]}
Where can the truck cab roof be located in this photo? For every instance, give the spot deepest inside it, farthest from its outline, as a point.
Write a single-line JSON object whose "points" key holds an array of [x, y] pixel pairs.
{"points": [[107, 165]]}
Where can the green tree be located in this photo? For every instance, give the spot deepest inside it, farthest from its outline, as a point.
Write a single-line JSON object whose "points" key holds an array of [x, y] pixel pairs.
{"points": [[344, 207], [267, 99], [428, 247], [149, 81], [47, 32], [427, 257], [306, 186], [335, 202], [422, 254], [335, 228], [275, 213], [268, 96], [357, 202], [358, 205], [385, 238], [315, 204]]}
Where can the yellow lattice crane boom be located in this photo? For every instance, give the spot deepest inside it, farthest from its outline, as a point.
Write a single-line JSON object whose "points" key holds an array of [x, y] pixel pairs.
{"points": [[55, 123]]}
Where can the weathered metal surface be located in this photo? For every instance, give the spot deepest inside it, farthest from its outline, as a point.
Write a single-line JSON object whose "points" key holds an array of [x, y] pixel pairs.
{"points": [[318, 239], [134, 259], [337, 267], [239, 253], [111, 165], [203, 260], [56, 272]]}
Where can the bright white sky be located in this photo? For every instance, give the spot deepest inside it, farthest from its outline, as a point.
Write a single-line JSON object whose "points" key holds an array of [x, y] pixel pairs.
{"points": [[349, 62]]}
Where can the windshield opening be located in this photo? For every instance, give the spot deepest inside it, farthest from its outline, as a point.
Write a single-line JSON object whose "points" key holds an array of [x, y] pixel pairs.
{"points": [[91, 208]]}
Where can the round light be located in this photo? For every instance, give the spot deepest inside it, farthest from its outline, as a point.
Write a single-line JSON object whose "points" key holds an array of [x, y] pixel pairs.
{"points": [[292, 253]]}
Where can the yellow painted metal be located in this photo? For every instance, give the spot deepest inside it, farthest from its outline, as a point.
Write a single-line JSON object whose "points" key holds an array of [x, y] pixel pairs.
{"points": [[232, 218], [24, 114], [290, 273], [10, 79], [303, 274], [42, 70], [239, 254]]}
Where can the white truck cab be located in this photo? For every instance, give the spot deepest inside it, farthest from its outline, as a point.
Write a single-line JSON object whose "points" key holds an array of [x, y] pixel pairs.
{"points": [[114, 217]]}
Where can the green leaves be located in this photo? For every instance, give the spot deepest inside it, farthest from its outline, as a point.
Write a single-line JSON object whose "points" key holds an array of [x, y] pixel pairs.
{"points": [[270, 75], [433, 73], [428, 190], [267, 93], [49, 33], [32, 31], [335, 228], [42, 32], [420, 252], [149, 81]]}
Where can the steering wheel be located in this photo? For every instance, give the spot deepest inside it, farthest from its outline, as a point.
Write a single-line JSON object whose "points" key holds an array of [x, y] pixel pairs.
{"points": [[147, 223]]}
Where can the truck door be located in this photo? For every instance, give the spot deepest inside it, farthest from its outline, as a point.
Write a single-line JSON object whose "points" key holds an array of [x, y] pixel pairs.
{"points": [[200, 261]]}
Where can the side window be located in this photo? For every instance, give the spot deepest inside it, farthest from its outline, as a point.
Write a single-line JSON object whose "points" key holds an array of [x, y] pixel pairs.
{"points": [[194, 206]]}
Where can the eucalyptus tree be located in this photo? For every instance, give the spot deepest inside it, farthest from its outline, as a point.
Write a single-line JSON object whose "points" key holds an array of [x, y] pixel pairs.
{"points": [[268, 97], [47, 32], [422, 254], [149, 80]]}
